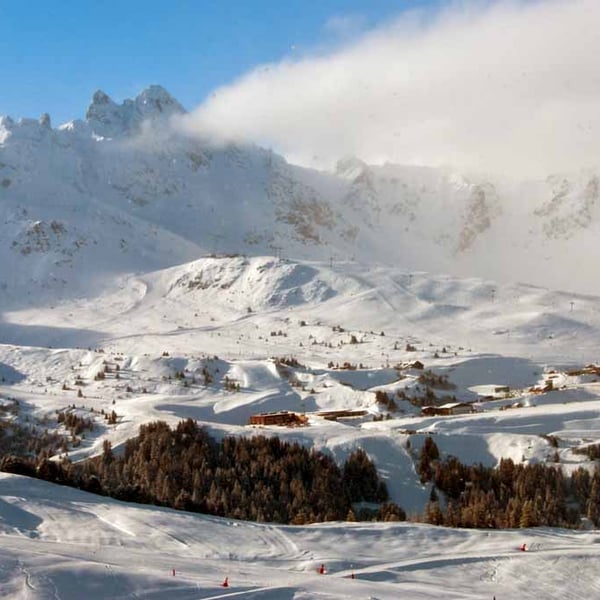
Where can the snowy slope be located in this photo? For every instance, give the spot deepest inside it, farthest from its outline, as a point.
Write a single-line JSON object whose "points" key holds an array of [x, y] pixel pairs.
{"points": [[62, 543], [196, 317], [233, 315]]}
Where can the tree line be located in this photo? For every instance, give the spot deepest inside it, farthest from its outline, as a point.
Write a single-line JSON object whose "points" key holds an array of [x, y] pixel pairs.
{"points": [[266, 479], [251, 478], [507, 496]]}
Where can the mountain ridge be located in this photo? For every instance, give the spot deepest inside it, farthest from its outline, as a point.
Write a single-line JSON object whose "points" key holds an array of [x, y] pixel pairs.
{"points": [[127, 190]]}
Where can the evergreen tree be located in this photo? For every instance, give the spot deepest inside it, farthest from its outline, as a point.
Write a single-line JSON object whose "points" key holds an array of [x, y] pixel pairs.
{"points": [[593, 503]]}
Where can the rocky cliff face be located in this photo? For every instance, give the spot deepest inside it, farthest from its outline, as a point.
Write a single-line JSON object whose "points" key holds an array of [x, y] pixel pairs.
{"points": [[573, 206]]}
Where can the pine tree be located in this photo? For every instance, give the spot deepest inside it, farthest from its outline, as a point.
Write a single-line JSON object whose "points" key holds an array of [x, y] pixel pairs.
{"points": [[433, 513], [429, 453], [527, 515], [593, 503]]}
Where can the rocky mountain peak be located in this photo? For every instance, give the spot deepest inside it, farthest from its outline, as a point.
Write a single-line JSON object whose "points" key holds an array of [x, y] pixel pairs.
{"points": [[45, 121], [350, 167], [156, 100], [111, 120]]}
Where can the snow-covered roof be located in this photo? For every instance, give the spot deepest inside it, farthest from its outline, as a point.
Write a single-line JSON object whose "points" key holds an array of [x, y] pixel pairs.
{"points": [[454, 404]]}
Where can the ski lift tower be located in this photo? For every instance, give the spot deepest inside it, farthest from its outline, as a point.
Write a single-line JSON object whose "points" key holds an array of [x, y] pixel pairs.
{"points": [[277, 250]]}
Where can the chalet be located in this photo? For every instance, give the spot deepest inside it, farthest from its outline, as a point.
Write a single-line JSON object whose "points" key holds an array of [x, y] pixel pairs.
{"points": [[451, 408], [491, 392], [415, 364], [334, 415], [283, 418]]}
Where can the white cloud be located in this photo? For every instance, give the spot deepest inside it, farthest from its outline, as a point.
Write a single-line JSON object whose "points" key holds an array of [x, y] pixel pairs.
{"points": [[344, 26], [511, 87]]}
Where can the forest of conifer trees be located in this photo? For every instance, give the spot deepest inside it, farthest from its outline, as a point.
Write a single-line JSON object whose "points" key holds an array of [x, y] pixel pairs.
{"points": [[266, 479], [508, 496], [254, 478]]}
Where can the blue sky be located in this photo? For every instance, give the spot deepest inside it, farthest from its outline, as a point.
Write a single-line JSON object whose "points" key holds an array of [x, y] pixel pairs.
{"points": [[55, 54], [481, 85]]}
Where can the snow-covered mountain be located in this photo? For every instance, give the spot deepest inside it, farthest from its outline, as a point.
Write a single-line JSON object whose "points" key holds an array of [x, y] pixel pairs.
{"points": [[144, 271], [127, 190]]}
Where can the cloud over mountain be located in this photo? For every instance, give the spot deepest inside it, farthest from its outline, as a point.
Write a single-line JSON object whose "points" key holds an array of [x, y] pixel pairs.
{"points": [[510, 87]]}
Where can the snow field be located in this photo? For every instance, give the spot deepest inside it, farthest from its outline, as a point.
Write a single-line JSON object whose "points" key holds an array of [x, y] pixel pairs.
{"points": [[63, 543], [148, 328]]}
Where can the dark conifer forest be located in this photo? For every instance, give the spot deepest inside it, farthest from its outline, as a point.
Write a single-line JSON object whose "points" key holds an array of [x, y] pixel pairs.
{"points": [[266, 479], [508, 496], [254, 478]]}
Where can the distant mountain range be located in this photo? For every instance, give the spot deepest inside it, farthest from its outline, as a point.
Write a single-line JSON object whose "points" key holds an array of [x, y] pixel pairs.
{"points": [[126, 190]]}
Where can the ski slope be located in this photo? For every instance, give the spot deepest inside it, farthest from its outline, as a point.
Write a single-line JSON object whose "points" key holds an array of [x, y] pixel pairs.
{"points": [[63, 543]]}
